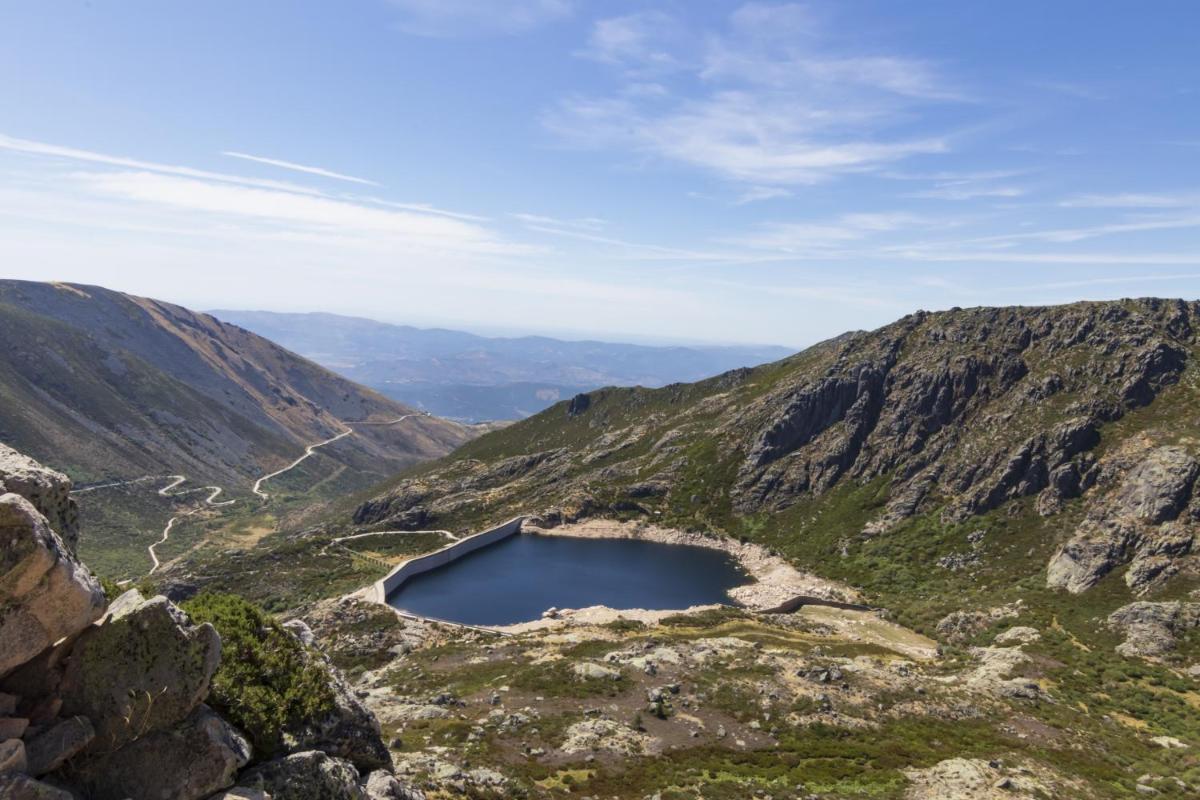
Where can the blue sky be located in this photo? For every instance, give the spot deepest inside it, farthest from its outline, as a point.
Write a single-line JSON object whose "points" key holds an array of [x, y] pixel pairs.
{"points": [[656, 171]]}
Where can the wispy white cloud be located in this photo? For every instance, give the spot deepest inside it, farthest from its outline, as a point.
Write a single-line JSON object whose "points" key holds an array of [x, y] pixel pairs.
{"points": [[455, 18], [1071, 235], [1080, 91], [582, 223], [968, 192], [762, 101], [757, 193], [640, 42], [964, 185], [1133, 200], [830, 238], [55, 151], [425, 208], [300, 213], [263, 207], [274, 162]]}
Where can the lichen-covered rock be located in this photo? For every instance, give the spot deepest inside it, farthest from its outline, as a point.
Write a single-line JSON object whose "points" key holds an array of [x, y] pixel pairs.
{"points": [[959, 626], [975, 779], [1021, 634], [383, 785], [51, 748], [194, 759], [12, 756], [17, 786], [49, 492], [310, 775], [1150, 628], [1138, 520], [349, 731], [142, 669], [593, 735], [45, 594]]}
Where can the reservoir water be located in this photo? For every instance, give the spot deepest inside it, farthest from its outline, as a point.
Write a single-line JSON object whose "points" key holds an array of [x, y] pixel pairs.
{"points": [[518, 578]]}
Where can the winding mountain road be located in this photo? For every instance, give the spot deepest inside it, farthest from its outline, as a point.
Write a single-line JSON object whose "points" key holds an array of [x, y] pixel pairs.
{"points": [[215, 491], [210, 500], [312, 448], [165, 491], [308, 451]]}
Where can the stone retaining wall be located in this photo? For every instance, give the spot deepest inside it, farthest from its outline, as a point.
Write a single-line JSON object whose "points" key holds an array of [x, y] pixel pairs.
{"points": [[794, 603], [451, 552]]}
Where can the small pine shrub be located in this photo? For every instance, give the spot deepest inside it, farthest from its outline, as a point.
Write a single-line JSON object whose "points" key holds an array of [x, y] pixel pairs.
{"points": [[266, 684]]}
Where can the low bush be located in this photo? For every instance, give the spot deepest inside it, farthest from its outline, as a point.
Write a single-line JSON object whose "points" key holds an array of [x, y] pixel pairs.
{"points": [[266, 684]]}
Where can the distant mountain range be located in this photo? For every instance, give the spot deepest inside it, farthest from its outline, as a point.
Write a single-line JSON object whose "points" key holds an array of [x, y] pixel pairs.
{"points": [[105, 385], [474, 378]]}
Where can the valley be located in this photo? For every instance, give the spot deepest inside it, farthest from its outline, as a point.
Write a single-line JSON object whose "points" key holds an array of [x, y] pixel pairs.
{"points": [[561, 400], [474, 378], [948, 558]]}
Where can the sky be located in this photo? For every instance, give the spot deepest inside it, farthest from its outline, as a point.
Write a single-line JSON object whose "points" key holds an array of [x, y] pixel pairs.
{"points": [[673, 171]]}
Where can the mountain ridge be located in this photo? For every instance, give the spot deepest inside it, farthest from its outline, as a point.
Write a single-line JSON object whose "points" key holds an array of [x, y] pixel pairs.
{"points": [[130, 370], [472, 377], [945, 417]]}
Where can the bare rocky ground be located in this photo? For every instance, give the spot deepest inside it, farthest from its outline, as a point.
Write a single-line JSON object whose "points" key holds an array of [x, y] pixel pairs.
{"points": [[717, 703]]}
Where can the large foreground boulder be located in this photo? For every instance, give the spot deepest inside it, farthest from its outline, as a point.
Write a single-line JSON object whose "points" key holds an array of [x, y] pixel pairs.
{"points": [[45, 594], [192, 760], [145, 668], [17, 786], [51, 748], [49, 491]]}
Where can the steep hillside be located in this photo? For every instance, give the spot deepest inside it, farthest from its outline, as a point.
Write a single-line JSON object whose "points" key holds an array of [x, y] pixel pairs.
{"points": [[105, 385], [1069, 431], [132, 396], [464, 376]]}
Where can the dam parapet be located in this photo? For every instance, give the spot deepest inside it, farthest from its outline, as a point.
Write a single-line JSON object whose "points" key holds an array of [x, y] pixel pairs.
{"points": [[451, 552]]}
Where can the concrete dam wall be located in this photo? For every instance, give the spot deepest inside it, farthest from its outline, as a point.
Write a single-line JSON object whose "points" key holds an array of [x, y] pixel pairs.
{"points": [[451, 552]]}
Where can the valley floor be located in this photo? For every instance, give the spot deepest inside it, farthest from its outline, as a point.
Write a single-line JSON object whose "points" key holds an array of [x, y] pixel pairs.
{"points": [[718, 702]]}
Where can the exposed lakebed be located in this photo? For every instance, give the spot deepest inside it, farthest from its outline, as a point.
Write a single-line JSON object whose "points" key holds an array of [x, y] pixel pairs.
{"points": [[518, 578]]}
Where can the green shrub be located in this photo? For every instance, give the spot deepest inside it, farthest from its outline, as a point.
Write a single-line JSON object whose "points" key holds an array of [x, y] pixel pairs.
{"points": [[266, 683]]}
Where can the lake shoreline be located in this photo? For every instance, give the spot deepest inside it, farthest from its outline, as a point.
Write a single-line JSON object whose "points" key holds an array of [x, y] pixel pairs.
{"points": [[775, 580]]}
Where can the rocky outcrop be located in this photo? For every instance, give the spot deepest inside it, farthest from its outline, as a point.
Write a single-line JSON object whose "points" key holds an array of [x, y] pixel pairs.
{"points": [[310, 775], [960, 626], [1150, 628], [49, 492], [348, 731], [199, 756], [45, 594], [1139, 520], [384, 786], [50, 749], [143, 670], [18, 786], [958, 413], [108, 704]]}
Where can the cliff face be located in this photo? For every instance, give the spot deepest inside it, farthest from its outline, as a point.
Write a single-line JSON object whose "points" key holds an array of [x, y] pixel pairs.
{"points": [[1080, 411], [103, 385]]}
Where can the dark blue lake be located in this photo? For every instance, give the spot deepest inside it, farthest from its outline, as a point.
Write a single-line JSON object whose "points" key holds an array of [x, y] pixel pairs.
{"points": [[516, 579]]}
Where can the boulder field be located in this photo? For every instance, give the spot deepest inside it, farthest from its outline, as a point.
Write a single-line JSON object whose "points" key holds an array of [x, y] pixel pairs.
{"points": [[106, 701]]}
